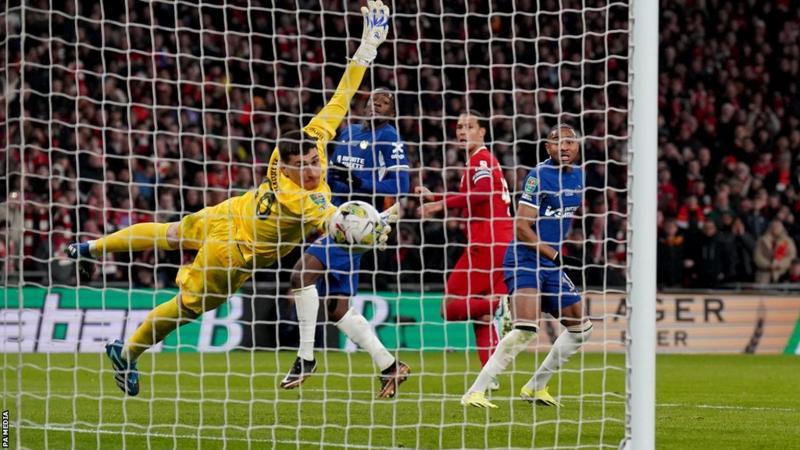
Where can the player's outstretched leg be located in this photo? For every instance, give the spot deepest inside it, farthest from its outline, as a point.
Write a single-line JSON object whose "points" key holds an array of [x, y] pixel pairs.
{"points": [[356, 327], [125, 372], [526, 312], [159, 323], [507, 350], [306, 301], [141, 236], [567, 344]]}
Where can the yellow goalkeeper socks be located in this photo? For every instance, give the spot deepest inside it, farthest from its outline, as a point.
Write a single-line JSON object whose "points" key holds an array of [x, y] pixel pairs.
{"points": [[142, 236], [161, 321]]}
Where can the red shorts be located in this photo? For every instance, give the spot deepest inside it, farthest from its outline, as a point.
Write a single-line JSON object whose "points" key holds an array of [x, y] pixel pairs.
{"points": [[479, 271]]}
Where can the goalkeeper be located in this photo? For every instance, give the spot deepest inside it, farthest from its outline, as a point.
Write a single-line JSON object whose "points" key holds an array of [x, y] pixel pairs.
{"points": [[368, 163], [246, 232]]}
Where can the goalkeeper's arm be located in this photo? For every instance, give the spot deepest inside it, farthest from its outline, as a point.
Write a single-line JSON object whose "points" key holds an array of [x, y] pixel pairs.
{"points": [[376, 26]]}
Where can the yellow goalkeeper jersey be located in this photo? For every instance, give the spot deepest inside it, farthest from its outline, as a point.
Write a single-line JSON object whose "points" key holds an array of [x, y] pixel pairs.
{"points": [[279, 214]]}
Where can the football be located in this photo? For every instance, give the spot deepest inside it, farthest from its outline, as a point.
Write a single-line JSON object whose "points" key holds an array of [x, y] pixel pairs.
{"points": [[355, 224]]}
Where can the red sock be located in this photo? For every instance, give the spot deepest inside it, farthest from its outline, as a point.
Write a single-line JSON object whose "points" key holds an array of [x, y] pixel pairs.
{"points": [[469, 308], [485, 340]]}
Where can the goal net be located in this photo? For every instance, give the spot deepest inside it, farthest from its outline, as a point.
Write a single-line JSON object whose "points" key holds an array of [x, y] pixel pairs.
{"points": [[117, 113]]}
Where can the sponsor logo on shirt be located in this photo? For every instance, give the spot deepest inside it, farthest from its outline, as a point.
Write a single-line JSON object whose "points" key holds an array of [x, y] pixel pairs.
{"points": [[397, 151], [569, 211], [352, 162], [571, 192]]}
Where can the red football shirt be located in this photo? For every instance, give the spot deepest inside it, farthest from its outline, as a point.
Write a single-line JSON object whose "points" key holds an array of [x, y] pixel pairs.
{"points": [[484, 198]]}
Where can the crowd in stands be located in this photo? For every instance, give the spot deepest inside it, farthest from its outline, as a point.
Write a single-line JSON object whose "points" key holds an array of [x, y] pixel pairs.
{"points": [[149, 121], [729, 143]]}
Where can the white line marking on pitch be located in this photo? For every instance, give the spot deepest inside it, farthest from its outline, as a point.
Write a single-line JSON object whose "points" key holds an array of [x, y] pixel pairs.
{"points": [[184, 436], [405, 397]]}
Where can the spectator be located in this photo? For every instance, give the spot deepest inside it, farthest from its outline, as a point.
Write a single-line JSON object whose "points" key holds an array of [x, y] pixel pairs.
{"points": [[787, 218], [671, 256], [667, 193], [163, 109], [754, 222], [11, 237], [774, 253], [743, 245], [721, 207], [711, 258], [690, 215]]}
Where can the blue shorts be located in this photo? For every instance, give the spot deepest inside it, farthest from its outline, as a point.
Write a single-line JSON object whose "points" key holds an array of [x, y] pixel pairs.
{"points": [[523, 269], [342, 266]]}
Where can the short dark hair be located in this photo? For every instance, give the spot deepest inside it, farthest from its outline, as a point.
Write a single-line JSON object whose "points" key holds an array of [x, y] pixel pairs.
{"points": [[293, 143], [483, 121]]}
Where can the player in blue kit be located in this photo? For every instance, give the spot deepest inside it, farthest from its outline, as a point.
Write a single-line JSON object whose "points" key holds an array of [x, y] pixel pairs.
{"points": [[368, 164], [552, 194]]}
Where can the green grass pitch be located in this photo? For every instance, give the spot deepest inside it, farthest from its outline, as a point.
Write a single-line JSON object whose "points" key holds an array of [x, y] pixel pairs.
{"points": [[231, 401]]}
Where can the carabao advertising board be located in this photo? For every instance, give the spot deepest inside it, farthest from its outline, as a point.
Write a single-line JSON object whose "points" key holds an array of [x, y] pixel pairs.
{"points": [[82, 320]]}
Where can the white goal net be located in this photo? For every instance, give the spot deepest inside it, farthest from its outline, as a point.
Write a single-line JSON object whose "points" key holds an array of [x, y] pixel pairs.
{"points": [[117, 113]]}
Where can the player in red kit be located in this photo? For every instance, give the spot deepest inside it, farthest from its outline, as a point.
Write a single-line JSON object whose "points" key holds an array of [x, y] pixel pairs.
{"points": [[476, 285]]}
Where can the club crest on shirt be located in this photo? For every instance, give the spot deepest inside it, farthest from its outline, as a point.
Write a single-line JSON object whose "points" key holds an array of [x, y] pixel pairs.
{"points": [[530, 185], [318, 199], [363, 145]]}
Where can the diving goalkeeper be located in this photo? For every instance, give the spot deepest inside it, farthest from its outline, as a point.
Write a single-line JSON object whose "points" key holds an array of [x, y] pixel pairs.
{"points": [[245, 232]]}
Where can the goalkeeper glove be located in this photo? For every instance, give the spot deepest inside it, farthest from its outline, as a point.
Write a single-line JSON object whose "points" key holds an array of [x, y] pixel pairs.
{"points": [[376, 27], [392, 214], [388, 217], [383, 236], [568, 261]]}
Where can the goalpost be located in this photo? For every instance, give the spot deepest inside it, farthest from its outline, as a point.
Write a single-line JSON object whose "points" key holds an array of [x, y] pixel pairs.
{"points": [[122, 112], [642, 232]]}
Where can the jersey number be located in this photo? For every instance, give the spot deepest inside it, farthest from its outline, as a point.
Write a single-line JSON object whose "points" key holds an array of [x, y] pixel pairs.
{"points": [[506, 195]]}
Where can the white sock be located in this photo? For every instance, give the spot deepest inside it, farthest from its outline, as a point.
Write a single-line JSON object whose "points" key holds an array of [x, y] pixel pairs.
{"points": [[306, 301], [507, 349], [567, 344], [126, 355], [356, 327], [93, 249]]}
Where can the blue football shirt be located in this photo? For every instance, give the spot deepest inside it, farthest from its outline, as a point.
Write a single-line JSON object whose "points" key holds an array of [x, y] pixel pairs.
{"points": [[557, 194], [370, 155]]}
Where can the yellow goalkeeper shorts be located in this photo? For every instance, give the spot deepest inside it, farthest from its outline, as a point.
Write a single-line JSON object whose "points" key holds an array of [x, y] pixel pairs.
{"points": [[220, 267]]}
